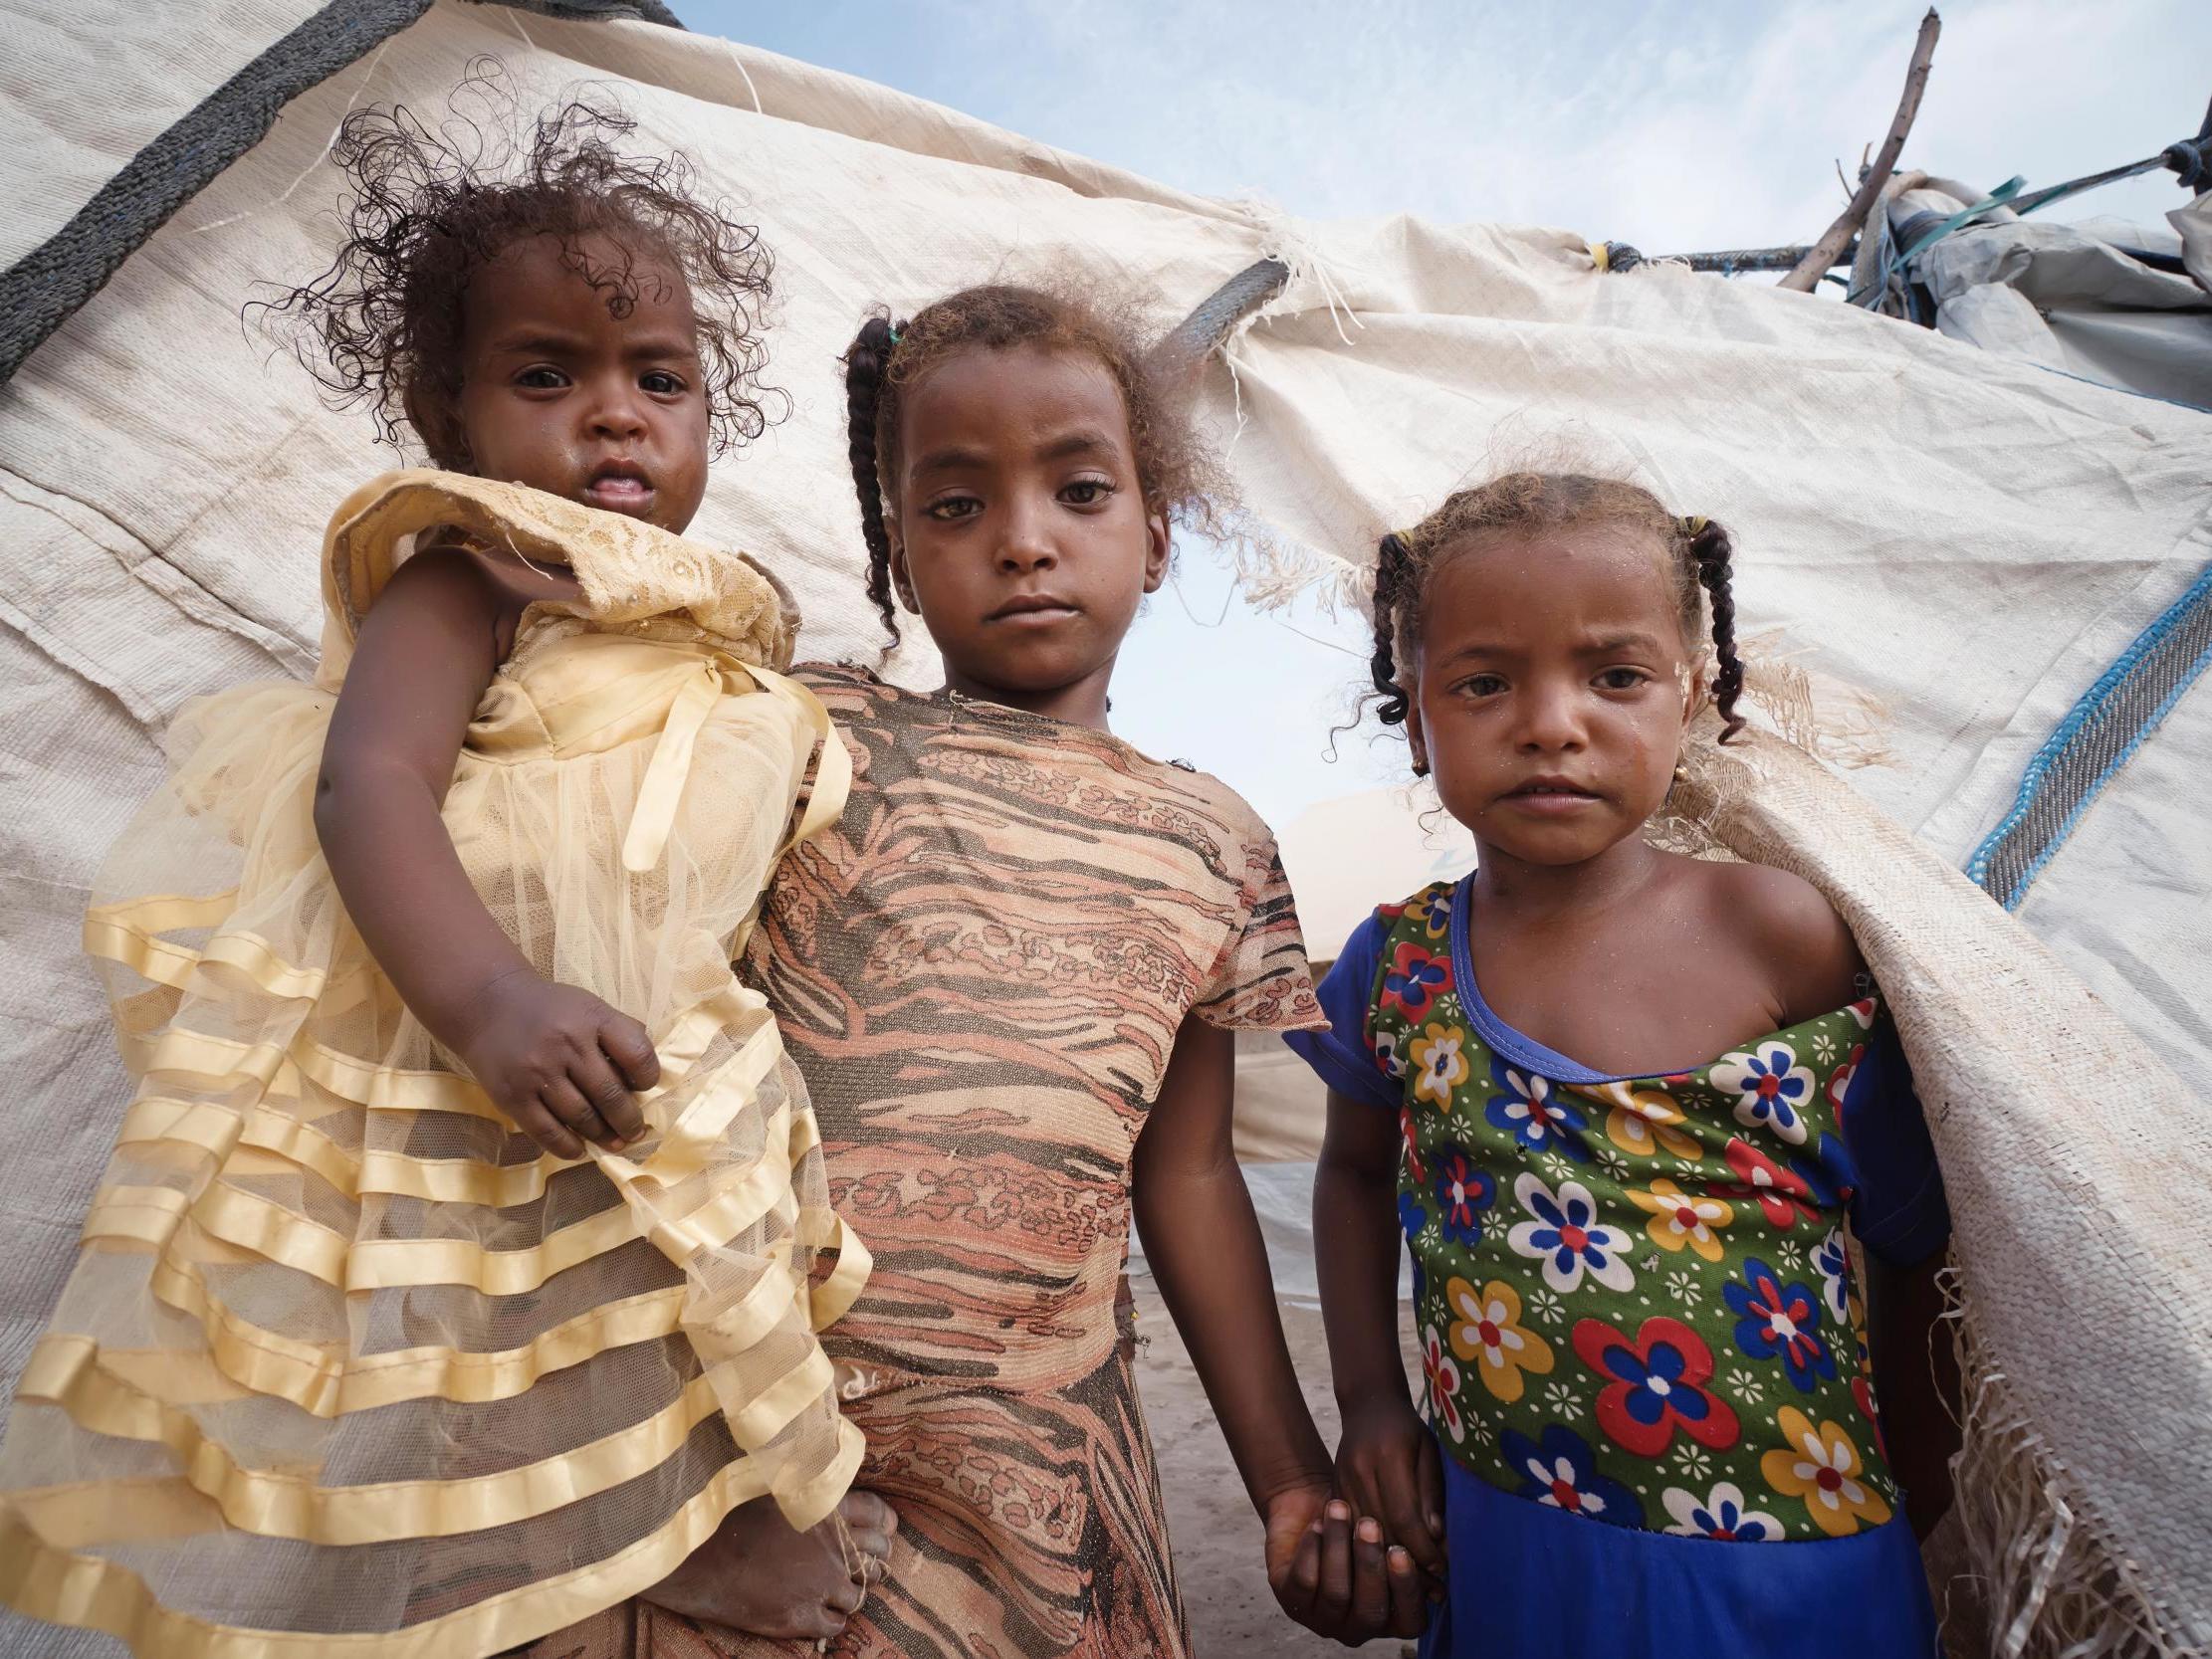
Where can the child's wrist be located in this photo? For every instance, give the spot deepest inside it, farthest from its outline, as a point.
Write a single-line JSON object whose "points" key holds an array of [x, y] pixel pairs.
{"points": [[1307, 1469], [1363, 1391], [469, 1013], [1300, 1484]]}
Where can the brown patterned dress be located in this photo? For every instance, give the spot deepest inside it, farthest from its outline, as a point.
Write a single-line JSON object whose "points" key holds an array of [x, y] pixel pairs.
{"points": [[981, 975]]}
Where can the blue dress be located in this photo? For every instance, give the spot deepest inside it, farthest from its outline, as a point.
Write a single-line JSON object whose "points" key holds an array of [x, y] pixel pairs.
{"points": [[1644, 1348]]}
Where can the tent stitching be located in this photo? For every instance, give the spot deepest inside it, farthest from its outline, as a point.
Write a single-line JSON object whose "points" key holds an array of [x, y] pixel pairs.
{"points": [[2099, 735]]}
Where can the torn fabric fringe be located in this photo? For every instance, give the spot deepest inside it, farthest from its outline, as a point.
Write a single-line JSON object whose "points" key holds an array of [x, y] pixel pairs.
{"points": [[2075, 1164], [2028, 1581], [1272, 571]]}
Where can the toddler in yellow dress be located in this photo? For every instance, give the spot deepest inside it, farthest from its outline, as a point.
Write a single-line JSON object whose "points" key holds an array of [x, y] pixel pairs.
{"points": [[457, 1271]]}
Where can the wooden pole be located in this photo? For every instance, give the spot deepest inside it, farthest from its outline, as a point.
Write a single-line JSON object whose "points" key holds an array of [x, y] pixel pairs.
{"points": [[1823, 255]]}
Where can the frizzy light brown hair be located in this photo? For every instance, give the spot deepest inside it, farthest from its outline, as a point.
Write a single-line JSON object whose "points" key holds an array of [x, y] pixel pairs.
{"points": [[1179, 475], [429, 208], [1699, 552]]}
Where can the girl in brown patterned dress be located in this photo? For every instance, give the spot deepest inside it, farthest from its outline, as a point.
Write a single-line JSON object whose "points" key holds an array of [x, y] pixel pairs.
{"points": [[1011, 979]]}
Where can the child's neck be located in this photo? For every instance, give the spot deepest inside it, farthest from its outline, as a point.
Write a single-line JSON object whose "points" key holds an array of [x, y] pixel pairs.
{"points": [[1514, 888], [1079, 703]]}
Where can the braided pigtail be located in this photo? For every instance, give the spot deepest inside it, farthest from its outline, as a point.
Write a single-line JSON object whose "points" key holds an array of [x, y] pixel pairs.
{"points": [[866, 361], [1393, 564], [1713, 555]]}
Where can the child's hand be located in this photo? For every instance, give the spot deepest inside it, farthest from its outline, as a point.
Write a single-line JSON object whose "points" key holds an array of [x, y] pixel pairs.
{"points": [[1387, 1465], [1333, 1575], [560, 1062]]}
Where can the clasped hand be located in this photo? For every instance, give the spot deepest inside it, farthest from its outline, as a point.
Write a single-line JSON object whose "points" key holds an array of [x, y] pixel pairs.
{"points": [[564, 1065], [1334, 1575]]}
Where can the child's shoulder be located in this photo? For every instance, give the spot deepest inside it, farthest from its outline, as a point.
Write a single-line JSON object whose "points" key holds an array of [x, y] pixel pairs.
{"points": [[1222, 803], [463, 586], [844, 682], [1181, 800], [1787, 924]]}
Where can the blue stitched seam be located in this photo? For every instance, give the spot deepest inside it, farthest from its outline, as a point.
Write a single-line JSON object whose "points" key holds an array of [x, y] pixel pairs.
{"points": [[2091, 703], [2151, 723]]}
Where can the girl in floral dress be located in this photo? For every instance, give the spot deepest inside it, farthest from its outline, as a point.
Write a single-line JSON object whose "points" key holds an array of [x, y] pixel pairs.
{"points": [[1627, 1108]]}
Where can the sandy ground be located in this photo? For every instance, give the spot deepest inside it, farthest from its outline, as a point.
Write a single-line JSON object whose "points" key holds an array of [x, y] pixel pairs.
{"points": [[1217, 1535]]}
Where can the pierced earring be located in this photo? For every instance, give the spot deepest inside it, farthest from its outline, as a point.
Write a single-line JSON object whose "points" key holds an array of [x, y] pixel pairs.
{"points": [[1682, 772]]}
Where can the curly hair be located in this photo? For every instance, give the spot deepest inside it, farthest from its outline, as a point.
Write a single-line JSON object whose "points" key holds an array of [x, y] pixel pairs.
{"points": [[1699, 552], [382, 325], [1179, 475]]}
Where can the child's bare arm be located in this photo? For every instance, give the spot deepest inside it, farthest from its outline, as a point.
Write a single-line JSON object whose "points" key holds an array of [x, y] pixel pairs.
{"points": [[1819, 969], [1202, 1242], [547, 1054], [1916, 1382], [1387, 1461]]}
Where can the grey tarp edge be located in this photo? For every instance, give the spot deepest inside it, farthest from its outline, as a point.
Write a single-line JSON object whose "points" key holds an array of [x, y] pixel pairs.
{"points": [[40, 290]]}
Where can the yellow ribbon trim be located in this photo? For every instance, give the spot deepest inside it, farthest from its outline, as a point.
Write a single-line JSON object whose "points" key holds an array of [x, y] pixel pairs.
{"points": [[683, 1153], [151, 1216], [696, 1134], [223, 1062], [832, 768], [662, 789], [757, 1418], [326, 1382], [390, 1264], [832, 784], [143, 1215], [127, 932], [835, 1295], [515, 1273], [742, 1323], [271, 1505], [166, 1374], [90, 1592]]}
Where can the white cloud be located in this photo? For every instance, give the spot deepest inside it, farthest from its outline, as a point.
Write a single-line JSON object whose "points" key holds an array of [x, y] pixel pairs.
{"points": [[1672, 126]]}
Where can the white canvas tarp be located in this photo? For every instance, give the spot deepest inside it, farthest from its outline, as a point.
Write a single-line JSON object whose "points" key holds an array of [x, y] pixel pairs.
{"points": [[1978, 542]]}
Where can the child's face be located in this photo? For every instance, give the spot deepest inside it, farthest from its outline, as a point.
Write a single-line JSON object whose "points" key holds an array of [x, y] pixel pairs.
{"points": [[1553, 689], [1022, 533], [558, 394]]}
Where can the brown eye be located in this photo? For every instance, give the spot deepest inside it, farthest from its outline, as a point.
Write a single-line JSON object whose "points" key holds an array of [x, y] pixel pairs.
{"points": [[1623, 679], [542, 377], [951, 507], [1087, 491], [663, 384]]}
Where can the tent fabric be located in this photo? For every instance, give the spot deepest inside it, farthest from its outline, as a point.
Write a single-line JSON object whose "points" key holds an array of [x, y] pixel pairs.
{"points": [[1975, 541], [2002, 1041]]}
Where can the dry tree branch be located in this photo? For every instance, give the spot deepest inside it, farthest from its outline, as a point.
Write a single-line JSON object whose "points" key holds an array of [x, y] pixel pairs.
{"points": [[1823, 255]]}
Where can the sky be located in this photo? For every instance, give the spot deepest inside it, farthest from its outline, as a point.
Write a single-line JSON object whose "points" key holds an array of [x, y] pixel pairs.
{"points": [[1672, 126]]}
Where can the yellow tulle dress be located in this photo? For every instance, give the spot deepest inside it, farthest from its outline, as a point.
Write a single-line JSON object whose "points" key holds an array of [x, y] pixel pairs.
{"points": [[346, 1366]]}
